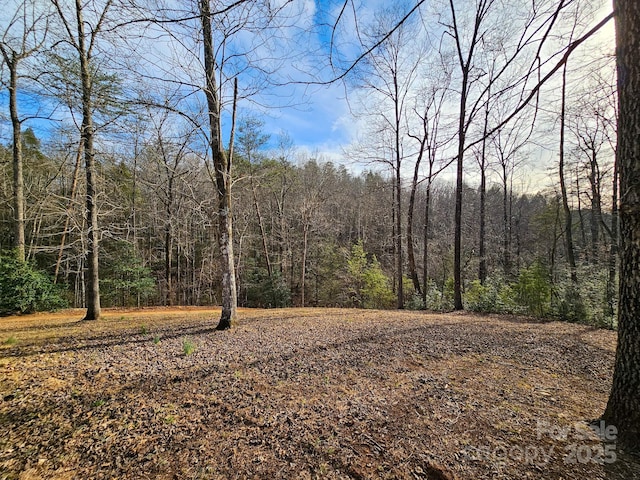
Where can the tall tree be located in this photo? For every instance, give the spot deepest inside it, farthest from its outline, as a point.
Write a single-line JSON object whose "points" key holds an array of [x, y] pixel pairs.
{"points": [[393, 69], [568, 219], [166, 172], [429, 142], [507, 145], [589, 130], [83, 37], [250, 140], [222, 172], [623, 407], [465, 55], [24, 35]]}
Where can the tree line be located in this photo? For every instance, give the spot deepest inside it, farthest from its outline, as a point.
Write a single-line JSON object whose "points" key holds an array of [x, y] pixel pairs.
{"points": [[150, 186], [297, 221], [158, 177]]}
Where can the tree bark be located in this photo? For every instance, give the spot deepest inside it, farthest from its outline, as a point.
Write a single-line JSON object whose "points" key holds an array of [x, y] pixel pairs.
{"points": [[86, 133], [69, 210], [568, 223], [613, 249], [222, 167], [623, 408], [413, 273], [11, 59], [263, 233], [425, 252]]}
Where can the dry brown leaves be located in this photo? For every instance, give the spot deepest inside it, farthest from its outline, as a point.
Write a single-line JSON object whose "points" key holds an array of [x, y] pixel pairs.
{"points": [[303, 393]]}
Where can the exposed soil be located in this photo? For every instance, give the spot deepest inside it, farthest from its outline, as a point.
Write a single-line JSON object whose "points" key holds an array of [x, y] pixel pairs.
{"points": [[304, 394]]}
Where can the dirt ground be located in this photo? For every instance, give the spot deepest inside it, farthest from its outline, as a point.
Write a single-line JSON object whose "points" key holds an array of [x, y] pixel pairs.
{"points": [[304, 394]]}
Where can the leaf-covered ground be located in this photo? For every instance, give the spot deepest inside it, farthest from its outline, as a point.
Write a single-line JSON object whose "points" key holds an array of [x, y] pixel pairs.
{"points": [[304, 394]]}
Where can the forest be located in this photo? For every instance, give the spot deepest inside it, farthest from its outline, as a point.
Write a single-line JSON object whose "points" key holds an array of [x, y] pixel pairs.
{"points": [[474, 155], [108, 171]]}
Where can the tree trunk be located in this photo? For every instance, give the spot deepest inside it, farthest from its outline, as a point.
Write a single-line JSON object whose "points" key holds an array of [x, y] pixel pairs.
{"points": [[86, 133], [168, 260], [398, 171], [413, 273], [303, 274], [425, 252], [222, 167], [263, 233], [583, 234], [568, 225], [482, 266], [457, 242], [18, 178], [613, 249], [623, 408], [506, 221], [67, 220], [596, 205]]}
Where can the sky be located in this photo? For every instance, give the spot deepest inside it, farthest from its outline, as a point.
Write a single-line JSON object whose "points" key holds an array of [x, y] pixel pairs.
{"points": [[317, 117]]}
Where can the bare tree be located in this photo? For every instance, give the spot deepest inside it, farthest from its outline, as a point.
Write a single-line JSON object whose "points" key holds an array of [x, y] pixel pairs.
{"points": [[568, 219], [167, 172], [429, 143], [521, 59], [508, 144], [589, 129], [390, 72], [250, 139], [222, 173], [82, 33], [465, 56], [24, 35]]}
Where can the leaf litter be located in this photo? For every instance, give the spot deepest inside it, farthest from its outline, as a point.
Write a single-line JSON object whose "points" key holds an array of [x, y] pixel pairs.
{"points": [[305, 394]]}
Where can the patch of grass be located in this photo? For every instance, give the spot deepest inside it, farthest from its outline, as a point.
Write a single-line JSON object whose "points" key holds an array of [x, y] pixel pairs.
{"points": [[143, 330], [156, 339], [99, 403], [12, 340], [188, 347]]}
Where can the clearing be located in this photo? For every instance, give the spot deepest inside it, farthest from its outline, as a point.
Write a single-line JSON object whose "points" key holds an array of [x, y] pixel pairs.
{"points": [[304, 394]]}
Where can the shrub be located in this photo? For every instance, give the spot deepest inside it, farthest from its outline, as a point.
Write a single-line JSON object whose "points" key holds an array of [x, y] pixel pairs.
{"points": [[415, 302], [367, 283], [508, 300], [569, 305], [126, 281], [446, 299], [481, 298], [264, 291], [376, 292], [24, 289], [596, 299], [533, 289]]}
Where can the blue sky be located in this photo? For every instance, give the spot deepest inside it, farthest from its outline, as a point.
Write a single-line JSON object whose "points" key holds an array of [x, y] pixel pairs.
{"points": [[316, 117]]}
